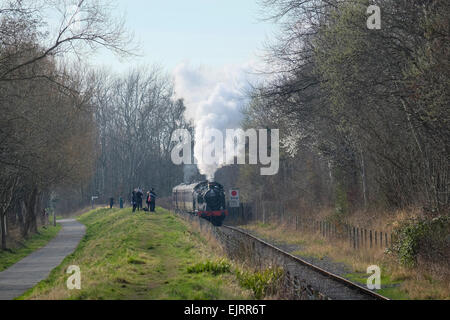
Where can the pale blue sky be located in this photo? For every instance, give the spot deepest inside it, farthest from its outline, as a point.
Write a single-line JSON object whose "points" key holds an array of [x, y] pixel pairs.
{"points": [[207, 32]]}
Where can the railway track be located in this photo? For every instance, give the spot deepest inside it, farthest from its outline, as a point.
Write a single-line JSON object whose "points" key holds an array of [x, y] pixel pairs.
{"points": [[311, 281], [327, 283]]}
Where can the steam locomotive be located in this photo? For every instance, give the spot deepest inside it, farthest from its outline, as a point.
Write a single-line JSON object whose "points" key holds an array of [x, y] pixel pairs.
{"points": [[204, 199]]}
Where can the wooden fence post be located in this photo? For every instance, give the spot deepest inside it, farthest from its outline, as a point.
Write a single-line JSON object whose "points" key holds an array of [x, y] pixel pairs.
{"points": [[381, 239], [376, 239], [362, 237], [370, 235], [354, 238], [349, 234], [358, 240], [365, 238]]}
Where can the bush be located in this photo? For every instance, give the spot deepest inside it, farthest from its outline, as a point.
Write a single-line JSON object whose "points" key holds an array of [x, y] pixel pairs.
{"points": [[427, 238], [214, 267], [263, 283]]}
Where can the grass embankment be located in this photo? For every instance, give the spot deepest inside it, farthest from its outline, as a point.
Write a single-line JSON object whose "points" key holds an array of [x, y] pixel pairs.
{"points": [[27, 246], [396, 282], [140, 256]]}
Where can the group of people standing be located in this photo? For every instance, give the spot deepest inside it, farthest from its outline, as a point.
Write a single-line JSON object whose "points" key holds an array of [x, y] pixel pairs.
{"points": [[137, 197]]}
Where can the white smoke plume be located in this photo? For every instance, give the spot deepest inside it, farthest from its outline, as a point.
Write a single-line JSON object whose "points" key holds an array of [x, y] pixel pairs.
{"points": [[214, 99]]}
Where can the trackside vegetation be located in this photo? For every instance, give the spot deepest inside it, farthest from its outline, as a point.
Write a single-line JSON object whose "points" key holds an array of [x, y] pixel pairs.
{"points": [[403, 276], [263, 283], [127, 255]]}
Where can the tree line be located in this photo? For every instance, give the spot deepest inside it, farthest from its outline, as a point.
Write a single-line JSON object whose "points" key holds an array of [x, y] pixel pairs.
{"points": [[67, 132], [136, 116], [364, 113]]}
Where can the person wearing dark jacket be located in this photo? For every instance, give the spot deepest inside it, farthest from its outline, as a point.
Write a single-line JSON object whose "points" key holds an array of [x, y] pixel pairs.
{"points": [[139, 196], [134, 199], [152, 201]]}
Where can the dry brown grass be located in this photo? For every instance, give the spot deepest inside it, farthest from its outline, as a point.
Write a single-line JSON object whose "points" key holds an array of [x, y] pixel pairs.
{"points": [[314, 245], [382, 220], [417, 283]]}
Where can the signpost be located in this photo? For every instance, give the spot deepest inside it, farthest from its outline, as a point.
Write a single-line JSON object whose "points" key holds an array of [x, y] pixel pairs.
{"points": [[92, 200], [234, 198]]}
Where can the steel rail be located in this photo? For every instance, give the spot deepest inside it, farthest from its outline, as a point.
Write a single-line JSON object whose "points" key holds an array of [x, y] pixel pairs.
{"points": [[328, 274]]}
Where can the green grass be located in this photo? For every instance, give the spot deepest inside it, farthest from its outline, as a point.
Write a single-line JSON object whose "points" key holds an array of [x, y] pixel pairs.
{"points": [[262, 283], [389, 287], [214, 267], [33, 243], [139, 256]]}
